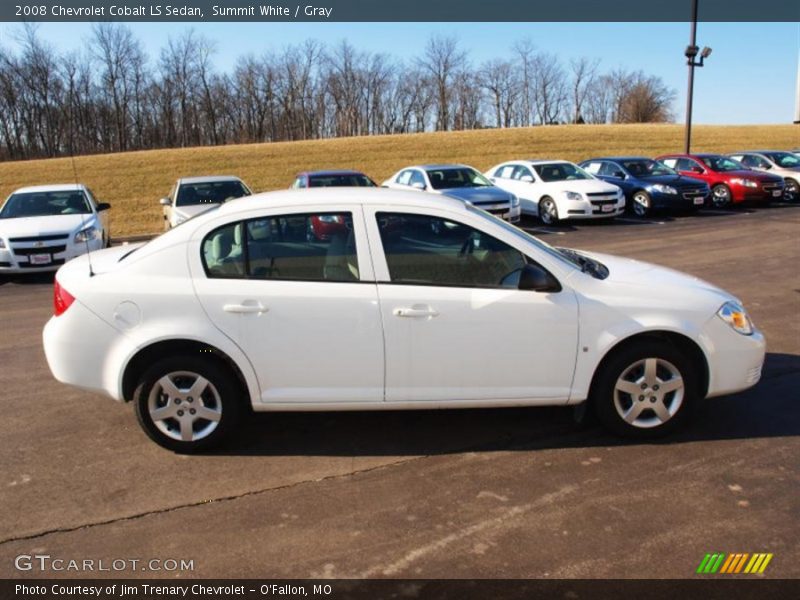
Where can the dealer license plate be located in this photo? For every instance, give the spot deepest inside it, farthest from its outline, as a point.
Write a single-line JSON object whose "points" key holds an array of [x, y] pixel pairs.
{"points": [[777, 193], [40, 259], [607, 208], [699, 200]]}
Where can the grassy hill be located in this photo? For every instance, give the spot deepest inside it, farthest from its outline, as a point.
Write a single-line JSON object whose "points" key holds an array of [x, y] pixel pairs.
{"points": [[134, 181]]}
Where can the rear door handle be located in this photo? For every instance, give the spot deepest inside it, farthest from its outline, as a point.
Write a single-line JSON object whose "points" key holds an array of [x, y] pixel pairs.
{"points": [[416, 312], [245, 308]]}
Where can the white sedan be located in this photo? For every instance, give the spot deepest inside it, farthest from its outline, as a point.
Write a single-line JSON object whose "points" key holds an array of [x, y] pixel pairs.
{"points": [[191, 196], [390, 311], [557, 190], [44, 226]]}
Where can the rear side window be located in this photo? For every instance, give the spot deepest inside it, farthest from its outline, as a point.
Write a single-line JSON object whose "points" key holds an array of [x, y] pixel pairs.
{"points": [[298, 247], [428, 250]]}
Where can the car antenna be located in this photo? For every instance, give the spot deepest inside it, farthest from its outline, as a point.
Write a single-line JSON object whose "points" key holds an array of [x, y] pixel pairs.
{"points": [[83, 220]]}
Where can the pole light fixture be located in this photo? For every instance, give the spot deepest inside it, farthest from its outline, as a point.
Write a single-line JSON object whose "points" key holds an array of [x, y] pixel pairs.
{"points": [[691, 53]]}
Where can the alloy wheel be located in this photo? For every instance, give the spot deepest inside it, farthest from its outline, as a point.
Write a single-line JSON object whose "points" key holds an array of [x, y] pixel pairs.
{"points": [[649, 393], [720, 196], [641, 204], [185, 406], [548, 211]]}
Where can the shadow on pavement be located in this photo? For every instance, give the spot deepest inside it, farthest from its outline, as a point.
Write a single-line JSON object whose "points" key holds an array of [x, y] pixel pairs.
{"points": [[768, 410]]}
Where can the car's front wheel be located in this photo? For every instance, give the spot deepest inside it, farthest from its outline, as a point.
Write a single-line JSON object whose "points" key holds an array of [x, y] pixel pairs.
{"points": [[188, 404], [548, 211], [720, 196], [642, 204], [644, 390]]}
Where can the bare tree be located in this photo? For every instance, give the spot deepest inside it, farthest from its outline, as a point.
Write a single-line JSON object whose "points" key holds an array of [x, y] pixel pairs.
{"points": [[499, 79], [549, 88], [583, 71], [525, 51], [441, 60]]}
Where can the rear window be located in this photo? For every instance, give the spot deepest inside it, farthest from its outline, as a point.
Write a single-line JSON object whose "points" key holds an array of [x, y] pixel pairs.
{"points": [[215, 192]]}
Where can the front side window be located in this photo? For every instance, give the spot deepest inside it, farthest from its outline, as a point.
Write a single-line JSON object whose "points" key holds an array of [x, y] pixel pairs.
{"points": [[416, 178], [428, 250], [45, 204], [299, 247], [215, 192], [722, 163]]}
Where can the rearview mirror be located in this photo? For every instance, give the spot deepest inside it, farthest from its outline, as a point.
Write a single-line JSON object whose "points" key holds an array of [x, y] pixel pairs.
{"points": [[165, 202], [535, 279], [418, 185], [101, 206], [526, 179]]}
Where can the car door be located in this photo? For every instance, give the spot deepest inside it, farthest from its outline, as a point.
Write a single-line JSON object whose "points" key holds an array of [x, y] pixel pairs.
{"points": [[456, 326], [304, 309], [612, 172]]}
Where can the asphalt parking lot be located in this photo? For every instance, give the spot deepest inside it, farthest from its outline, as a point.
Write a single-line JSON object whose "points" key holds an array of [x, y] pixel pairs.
{"points": [[506, 493]]}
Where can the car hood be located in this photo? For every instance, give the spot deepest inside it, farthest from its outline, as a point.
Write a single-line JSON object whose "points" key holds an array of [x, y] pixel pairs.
{"points": [[192, 210], [671, 180], [639, 278], [50, 225], [478, 194], [586, 186]]}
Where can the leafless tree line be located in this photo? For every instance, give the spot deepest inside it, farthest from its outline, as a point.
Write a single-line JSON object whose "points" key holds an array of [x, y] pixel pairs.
{"points": [[111, 97]]}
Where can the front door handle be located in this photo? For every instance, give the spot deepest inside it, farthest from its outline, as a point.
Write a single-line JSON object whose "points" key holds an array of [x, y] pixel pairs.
{"points": [[416, 312], [245, 308]]}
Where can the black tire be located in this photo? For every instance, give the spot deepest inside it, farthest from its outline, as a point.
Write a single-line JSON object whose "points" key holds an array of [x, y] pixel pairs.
{"points": [[609, 404], [641, 204], [548, 211], [792, 190], [721, 196], [224, 396]]}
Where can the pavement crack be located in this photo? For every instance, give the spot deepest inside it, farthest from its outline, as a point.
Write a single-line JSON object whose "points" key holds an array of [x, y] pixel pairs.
{"points": [[169, 509]]}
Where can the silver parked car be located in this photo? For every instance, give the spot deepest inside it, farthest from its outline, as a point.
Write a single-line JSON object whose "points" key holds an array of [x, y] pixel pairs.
{"points": [[777, 162]]}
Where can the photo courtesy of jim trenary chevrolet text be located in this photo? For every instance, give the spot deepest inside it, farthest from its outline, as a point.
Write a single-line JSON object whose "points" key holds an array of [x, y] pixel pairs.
{"points": [[374, 299]]}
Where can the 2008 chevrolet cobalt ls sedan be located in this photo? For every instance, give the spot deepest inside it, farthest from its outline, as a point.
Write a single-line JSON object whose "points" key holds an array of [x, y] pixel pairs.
{"points": [[414, 302]]}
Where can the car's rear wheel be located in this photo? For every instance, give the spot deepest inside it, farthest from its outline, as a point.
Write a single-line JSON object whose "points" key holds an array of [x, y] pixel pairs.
{"points": [[642, 204], [188, 404], [644, 390], [720, 196], [548, 211]]}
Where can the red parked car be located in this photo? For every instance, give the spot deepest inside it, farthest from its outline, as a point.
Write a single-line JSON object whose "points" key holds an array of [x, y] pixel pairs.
{"points": [[730, 181]]}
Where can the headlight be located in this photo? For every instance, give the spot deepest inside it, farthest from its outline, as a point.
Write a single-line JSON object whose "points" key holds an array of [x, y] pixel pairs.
{"points": [[735, 316], [86, 235], [573, 196], [514, 201], [664, 189], [745, 182]]}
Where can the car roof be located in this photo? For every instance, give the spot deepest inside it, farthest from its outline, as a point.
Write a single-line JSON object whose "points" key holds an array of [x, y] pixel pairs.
{"points": [[55, 187], [439, 166], [207, 179], [339, 196], [758, 151], [617, 158], [542, 161], [327, 172]]}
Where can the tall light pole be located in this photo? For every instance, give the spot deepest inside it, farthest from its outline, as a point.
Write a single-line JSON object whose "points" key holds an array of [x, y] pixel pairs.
{"points": [[692, 50]]}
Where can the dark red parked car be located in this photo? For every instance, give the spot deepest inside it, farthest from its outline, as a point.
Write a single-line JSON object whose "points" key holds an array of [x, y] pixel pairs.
{"points": [[730, 181]]}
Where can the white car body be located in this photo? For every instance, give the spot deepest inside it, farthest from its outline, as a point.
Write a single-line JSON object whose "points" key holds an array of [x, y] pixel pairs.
{"points": [[329, 345], [44, 243], [491, 198], [175, 215], [589, 198], [763, 161]]}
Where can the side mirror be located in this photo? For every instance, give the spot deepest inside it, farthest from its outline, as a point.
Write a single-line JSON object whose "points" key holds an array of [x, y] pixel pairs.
{"points": [[526, 179], [697, 170], [418, 186], [101, 206], [536, 279], [165, 202]]}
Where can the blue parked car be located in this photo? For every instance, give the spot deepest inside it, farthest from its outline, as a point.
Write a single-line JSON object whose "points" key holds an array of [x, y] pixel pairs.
{"points": [[649, 185]]}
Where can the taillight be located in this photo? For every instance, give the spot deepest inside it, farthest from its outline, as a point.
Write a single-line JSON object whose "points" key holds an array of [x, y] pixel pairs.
{"points": [[62, 299]]}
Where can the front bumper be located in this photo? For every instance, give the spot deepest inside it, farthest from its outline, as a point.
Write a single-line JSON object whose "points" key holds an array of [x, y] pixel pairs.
{"points": [[758, 195], [37, 257], [681, 201], [585, 209], [735, 360]]}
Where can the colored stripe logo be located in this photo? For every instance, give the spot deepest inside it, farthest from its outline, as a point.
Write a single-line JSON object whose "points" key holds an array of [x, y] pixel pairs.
{"points": [[734, 563]]}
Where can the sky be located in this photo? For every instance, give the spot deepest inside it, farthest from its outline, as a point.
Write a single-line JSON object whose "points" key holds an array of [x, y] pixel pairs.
{"points": [[750, 78]]}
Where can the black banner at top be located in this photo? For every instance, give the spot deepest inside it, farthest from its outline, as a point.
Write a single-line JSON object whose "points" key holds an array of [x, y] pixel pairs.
{"points": [[399, 10]]}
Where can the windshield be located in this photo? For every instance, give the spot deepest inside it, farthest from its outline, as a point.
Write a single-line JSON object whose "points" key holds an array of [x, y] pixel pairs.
{"points": [[722, 163], [647, 168], [561, 172], [341, 180], [45, 204], [457, 177], [213, 192], [787, 160]]}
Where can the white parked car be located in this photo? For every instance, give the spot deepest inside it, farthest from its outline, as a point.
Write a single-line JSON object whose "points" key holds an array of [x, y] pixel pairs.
{"points": [[458, 181], [389, 312], [191, 196], [44, 226], [776, 162], [557, 190]]}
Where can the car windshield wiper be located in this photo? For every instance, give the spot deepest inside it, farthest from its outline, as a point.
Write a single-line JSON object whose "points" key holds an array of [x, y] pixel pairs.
{"points": [[587, 265]]}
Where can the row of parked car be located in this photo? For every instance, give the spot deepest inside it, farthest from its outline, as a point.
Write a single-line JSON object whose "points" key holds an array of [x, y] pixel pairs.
{"points": [[44, 226]]}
